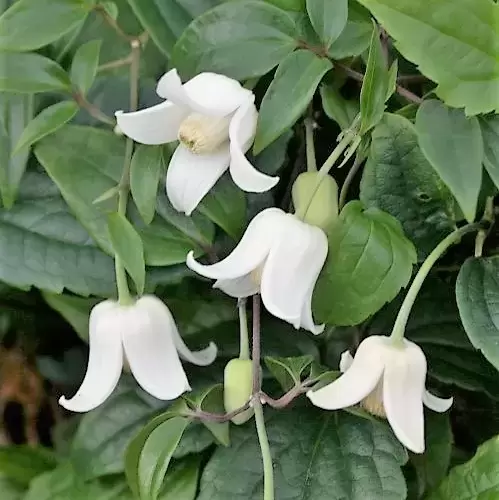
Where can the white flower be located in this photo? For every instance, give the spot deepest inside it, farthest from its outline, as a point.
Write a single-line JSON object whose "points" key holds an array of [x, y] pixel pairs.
{"points": [[214, 118], [392, 378], [278, 256], [143, 334]]}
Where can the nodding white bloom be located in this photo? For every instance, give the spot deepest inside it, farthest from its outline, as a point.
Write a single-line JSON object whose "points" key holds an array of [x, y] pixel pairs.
{"points": [[280, 257], [214, 118], [389, 381], [143, 334]]}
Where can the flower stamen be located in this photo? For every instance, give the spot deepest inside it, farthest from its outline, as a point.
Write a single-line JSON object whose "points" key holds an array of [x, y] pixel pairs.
{"points": [[203, 134]]}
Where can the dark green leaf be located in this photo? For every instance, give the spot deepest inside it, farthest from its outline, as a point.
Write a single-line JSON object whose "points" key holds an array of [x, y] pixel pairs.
{"points": [[148, 163], [288, 371], [289, 94], [240, 39], [321, 456], [398, 179], [128, 246], [453, 145], [477, 291], [369, 261], [339, 109], [328, 18], [15, 113], [31, 24], [392, 79], [181, 482], [225, 205], [22, 463], [374, 90], [490, 135], [477, 479], [10, 490], [47, 122], [84, 65], [292, 5], [29, 73]]}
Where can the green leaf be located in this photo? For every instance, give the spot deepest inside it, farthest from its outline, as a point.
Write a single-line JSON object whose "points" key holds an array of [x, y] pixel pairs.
{"points": [[128, 246], [490, 135], [454, 46], [84, 65], [374, 86], [241, 39], [181, 482], [369, 261], [398, 179], [477, 289], [148, 163], [477, 479], [392, 79], [15, 113], [10, 490], [47, 122], [328, 18], [288, 371], [341, 110], [31, 24], [453, 145], [29, 73], [292, 5], [289, 94], [43, 245], [321, 456], [22, 463], [75, 310], [166, 21]]}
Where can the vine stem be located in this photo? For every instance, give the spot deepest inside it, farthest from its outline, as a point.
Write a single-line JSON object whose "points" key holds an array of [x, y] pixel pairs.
{"points": [[348, 181], [405, 310], [92, 109], [112, 23], [310, 146], [244, 352], [481, 236], [268, 469]]}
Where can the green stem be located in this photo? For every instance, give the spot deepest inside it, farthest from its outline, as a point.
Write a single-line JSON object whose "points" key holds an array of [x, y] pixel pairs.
{"points": [[488, 216], [243, 330], [405, 310], [309, 142], [348, 181], [268, 470]]}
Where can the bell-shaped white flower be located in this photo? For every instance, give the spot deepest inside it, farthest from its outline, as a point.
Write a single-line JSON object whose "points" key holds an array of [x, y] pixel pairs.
{"points": [[143, 334], [214, 118], [390, 380], [280, 257]]}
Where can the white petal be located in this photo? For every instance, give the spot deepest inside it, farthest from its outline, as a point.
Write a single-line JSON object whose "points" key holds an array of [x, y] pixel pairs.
{"points": [[150, 349], [203, 357], [191, 176], [307, 319], [292, 267], [357, 382], [250, 252], [241, 134], [244, 286], [435, 403], [346, 361], [155, 125], [403, 388], [206, 93], [105, 361]]}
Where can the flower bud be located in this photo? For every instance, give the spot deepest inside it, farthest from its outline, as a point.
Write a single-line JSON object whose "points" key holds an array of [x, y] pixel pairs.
{"points": [[316, 204], [238, 387]]}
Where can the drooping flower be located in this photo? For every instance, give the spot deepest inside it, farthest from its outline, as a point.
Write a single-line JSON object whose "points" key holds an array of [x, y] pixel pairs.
{"points": [[214, 118], [143, 334], [280, 257], [388, 380]]}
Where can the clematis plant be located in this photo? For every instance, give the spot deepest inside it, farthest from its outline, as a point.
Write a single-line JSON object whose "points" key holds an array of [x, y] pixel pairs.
{"points": [[144, 336], [388, 380], [214, 118]]}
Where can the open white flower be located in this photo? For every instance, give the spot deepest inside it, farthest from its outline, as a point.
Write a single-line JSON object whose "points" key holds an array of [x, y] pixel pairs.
{"points": [[390, 380], [145, 335], [278, 256], [214, 118]]}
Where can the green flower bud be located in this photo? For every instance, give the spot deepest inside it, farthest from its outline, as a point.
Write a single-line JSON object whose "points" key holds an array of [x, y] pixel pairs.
{"points": [[317, 206], [238, 387]]}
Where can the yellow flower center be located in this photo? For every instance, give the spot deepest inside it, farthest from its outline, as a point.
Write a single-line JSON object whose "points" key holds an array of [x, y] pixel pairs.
{"points": [[256, 274], [373, 402], [203, 134]]}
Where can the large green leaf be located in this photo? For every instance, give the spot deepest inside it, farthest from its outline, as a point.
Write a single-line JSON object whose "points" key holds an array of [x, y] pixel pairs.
{"points": [[9, 490], [22, 463], [84, 65], [15, 113], [328, 18], [369, 261], [341, 110], [453, 44], [490, 135], [453, 145], [289, 94], [31, 24], [477, 479], [398, 179], [240, 39], [181, 482], [317, 455], [43, 245], [477, 292], [165, 21], [29, 73]]}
